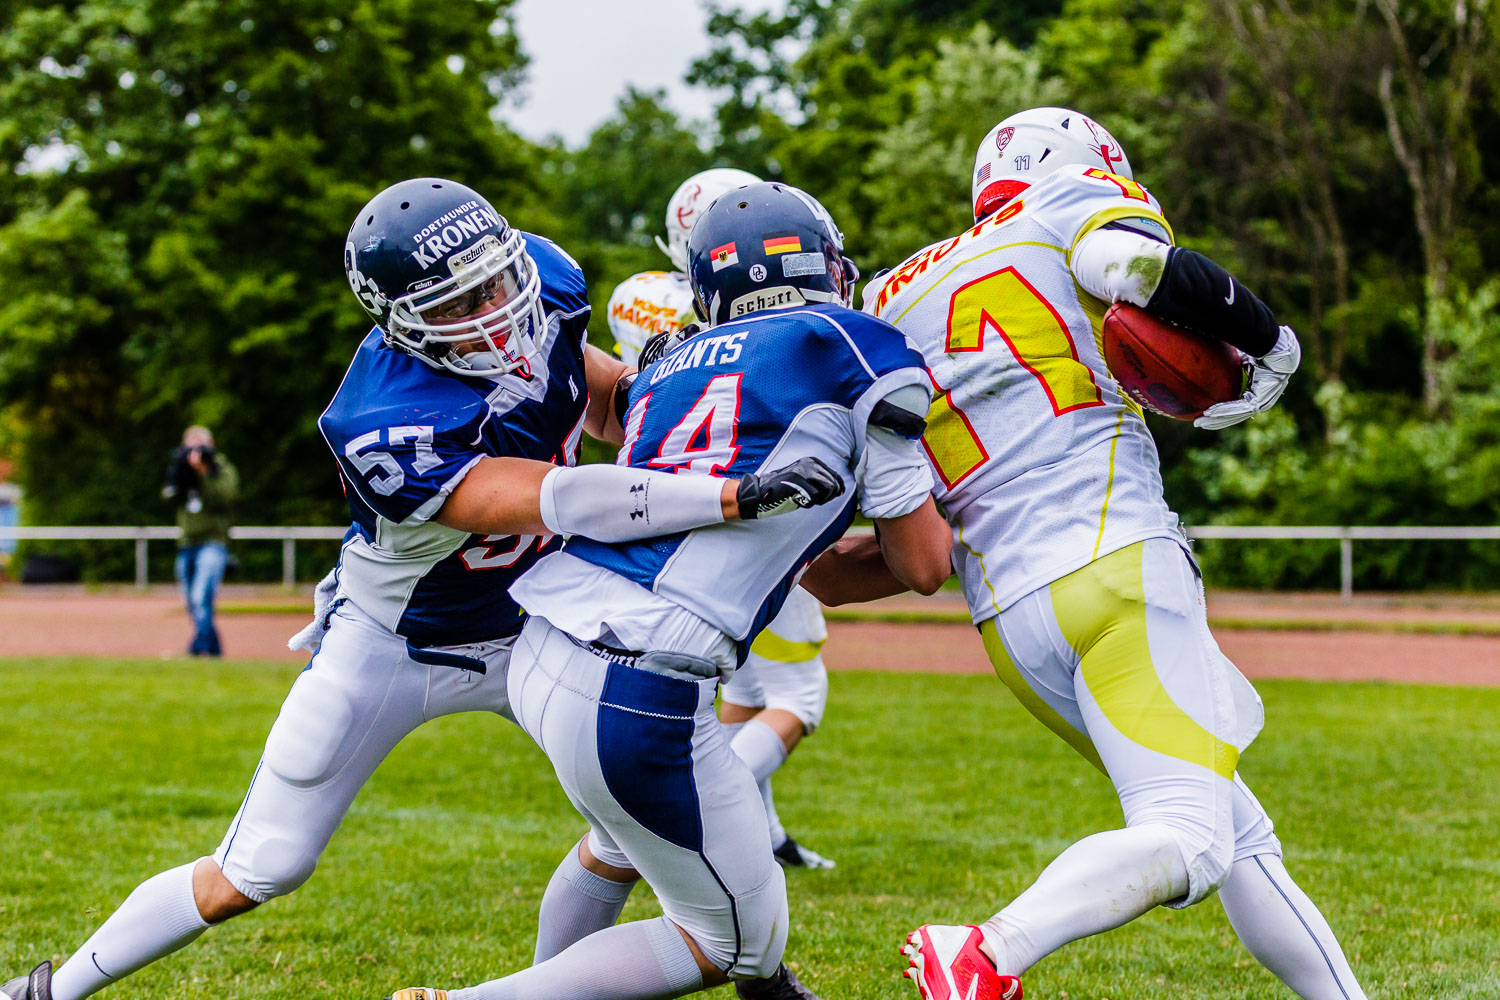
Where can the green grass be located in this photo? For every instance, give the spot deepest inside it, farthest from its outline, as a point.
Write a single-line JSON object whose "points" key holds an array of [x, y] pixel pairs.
{"points": [[937, 795]]}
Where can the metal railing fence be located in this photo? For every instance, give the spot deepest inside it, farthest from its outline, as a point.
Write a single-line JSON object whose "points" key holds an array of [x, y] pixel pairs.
{"points": [[1345, 535]]}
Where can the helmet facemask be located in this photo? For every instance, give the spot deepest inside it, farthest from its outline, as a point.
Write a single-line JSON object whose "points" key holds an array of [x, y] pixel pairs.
{"points": [[441, 322]]}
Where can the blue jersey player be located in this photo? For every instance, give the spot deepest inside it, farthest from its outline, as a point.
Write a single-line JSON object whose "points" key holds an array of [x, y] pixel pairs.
{"points": [[455, 430], [619, 690]]}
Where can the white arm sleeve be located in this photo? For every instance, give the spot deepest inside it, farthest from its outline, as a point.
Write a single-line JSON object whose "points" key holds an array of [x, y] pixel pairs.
{"points": [[1116, 266], [615, 503], [896, 477]]}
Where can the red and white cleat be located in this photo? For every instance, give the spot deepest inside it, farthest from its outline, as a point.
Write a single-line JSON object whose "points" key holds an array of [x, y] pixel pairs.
{"points": [[946, 964]]}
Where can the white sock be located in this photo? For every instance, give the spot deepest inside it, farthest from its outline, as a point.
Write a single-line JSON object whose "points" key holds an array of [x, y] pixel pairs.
{"points": [[155, 920], [773, 821], [576, 904], [641, 960], [1284, 930], [760, 747], [1101, 882]]}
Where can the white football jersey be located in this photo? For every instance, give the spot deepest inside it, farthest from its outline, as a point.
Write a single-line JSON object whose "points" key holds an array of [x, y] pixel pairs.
{"points": [[646, 304], [1043, 464]]}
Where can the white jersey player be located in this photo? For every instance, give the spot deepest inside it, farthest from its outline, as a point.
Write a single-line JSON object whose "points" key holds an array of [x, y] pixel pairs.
{"points": [[779, 695], [455, 430], [1075, 569]]}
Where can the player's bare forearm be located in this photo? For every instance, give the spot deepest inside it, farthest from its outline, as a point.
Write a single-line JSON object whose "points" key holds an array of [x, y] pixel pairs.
{"points": [[852, 571], [603, 375], [918, 547], [498, 496], [503, 496]]}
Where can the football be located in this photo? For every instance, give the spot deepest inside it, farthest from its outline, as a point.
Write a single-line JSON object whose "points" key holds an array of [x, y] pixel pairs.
{"points": [[1166, 368]]}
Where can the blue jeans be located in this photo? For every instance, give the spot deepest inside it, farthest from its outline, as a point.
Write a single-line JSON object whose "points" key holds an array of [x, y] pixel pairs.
{"points": [[200, 569]]}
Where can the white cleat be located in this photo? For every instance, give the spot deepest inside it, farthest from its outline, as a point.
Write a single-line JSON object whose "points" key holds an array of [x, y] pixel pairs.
{"points": [[419, 993]]}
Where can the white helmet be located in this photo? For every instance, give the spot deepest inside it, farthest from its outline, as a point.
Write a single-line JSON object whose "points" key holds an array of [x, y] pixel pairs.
{"points": [[688, 202], [1029, 145]]}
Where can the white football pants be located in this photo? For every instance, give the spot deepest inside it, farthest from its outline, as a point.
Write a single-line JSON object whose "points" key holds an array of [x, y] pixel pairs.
{"points": [[360, 695], [785, 669], [643, 758]]}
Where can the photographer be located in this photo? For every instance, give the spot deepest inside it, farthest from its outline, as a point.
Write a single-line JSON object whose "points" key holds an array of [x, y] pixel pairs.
{"points": [[203, 484]]}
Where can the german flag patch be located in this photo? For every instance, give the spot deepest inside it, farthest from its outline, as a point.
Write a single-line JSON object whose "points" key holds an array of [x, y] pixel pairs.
{"points": [[790, 243]]}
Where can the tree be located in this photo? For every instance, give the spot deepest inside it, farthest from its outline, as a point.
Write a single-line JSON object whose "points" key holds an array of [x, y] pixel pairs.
{"points": [[1428, 89], [175, 184]]}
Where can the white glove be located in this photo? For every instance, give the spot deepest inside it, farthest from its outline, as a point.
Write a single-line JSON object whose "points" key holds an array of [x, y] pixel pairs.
{"points": [[311, 637], [1268, 378]]}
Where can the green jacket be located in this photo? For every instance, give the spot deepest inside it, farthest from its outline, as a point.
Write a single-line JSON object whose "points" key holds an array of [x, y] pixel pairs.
{"points": [[207, 520]]}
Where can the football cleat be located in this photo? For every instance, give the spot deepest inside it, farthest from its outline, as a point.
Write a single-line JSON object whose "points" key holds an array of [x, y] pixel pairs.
{"points": [[36, 986], [782, 985], [419, 993], [946, 964], [793, 855]]}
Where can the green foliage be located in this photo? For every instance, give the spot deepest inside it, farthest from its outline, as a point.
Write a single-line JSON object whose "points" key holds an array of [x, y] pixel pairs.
{"points": [[183, 265], [435, 876], [176, 178]]}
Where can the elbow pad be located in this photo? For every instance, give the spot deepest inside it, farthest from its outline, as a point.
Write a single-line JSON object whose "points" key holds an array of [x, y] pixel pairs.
{"points": [[1197, 293]]}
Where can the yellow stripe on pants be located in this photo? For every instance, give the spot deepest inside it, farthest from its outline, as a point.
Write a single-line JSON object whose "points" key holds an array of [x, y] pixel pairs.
{"points": [[1005, 668], [1101, 612], [771, 646]]}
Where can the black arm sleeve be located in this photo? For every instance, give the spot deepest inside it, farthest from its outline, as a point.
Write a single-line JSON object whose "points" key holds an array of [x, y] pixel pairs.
{"points": [[1197, 293], [622, 395]]}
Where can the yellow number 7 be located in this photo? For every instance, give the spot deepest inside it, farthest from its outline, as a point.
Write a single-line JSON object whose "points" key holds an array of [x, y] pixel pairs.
{"points": [[1039, 340]]}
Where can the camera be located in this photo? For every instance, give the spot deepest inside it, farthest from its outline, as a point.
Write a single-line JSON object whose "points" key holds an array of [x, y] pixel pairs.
{"points": [[182, 478]]}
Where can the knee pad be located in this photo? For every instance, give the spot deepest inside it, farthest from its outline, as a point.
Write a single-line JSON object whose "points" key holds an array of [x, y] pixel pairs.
{"points": [[1208, 855], [763, 924], [274, 867], [312, 738]]}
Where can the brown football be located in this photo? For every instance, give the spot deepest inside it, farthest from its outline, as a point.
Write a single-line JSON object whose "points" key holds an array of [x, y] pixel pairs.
{"points": [[1167, 368]]}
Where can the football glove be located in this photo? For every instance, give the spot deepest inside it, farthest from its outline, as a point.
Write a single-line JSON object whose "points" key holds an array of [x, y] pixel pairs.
{"points": [[1269, 375], [807, 482], [661, 343]]}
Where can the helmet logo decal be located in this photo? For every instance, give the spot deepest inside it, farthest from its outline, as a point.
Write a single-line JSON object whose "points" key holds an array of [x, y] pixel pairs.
{"points": [[790, 243], [757, 272], [364, 289], [689, 208], [449, 232], [1104, 145], [724, 256], [1002, 138], [773, 297]]}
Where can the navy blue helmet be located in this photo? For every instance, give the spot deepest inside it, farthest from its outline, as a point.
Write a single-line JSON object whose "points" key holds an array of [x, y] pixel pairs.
{"points": [[766, 246], [445, 277]]}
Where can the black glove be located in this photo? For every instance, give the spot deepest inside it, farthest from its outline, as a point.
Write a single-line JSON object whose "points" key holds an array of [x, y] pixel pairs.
{"points": [[807, 482], [661, 343]]}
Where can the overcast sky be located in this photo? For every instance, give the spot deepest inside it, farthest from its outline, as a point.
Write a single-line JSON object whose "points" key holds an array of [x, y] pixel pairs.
{"points": [[585, 52]]}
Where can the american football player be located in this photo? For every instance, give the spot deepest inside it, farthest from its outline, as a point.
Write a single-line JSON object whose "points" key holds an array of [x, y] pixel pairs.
{"points": [[1076, 572], [619, 690], [455, 429], [779, 695]]}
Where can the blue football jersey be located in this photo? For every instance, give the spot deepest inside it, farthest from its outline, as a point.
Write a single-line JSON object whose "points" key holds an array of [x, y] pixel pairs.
{"points": [[405, 433], [742, 397]]}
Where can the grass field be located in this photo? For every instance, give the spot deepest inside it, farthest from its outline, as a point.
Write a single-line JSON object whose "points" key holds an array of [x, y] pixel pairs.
{"points": [[937, 795]]}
